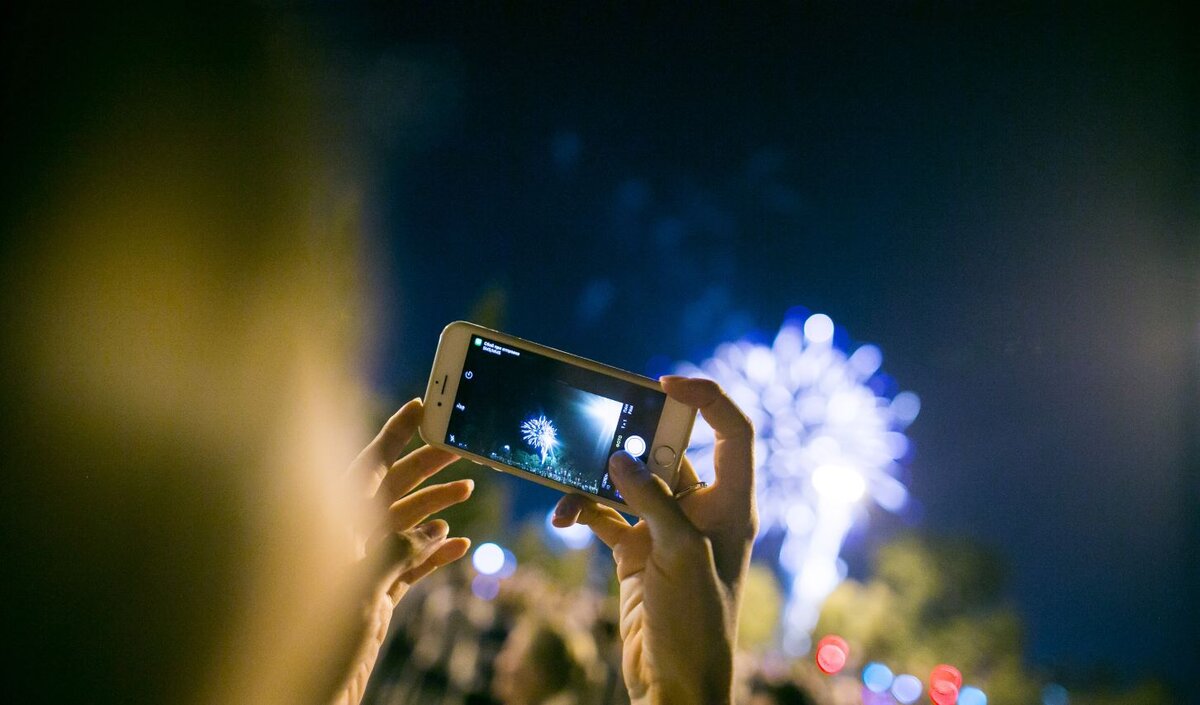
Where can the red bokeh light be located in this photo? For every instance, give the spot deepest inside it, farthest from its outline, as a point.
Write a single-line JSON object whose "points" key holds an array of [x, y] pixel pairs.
{"points": [[943, 692], [947, 673], [832, 652]]}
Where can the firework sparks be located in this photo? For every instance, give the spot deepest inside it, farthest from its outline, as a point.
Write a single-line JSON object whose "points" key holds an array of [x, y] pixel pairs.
{"points": [[541, 434], [829, 435]]}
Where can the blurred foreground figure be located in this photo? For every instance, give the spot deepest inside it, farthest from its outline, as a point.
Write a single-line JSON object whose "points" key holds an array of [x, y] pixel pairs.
{"points": [[180, 376], [180, 291]]}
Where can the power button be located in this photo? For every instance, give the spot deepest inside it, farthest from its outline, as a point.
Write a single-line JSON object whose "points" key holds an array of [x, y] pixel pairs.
{"points": [[664, 455]]}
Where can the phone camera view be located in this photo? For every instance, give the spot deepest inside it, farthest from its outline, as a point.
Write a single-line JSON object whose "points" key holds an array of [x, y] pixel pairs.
{"points": [[548, 417]]}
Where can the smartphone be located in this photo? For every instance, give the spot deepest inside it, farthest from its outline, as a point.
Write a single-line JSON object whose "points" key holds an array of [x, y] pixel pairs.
{"points": [[546, 415]]}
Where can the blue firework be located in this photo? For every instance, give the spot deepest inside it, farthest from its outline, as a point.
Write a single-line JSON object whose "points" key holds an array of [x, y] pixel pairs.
{"points": [[828, 443]]}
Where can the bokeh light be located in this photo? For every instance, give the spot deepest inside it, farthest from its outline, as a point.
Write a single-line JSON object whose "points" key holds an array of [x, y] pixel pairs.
{"points": [[488, 559], [906, 688], [828, 445], [945, 673], [574, 537], [509, 566], [877, 677], [818, 328], [1055, 694], [485, 587], [839, 484], [943, 692], [972, 696], [832, 653], [870, 697]]}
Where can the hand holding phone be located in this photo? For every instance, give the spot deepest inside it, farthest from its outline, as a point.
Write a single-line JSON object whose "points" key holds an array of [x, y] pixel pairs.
{"points": [[682, 567], [548, 416]]}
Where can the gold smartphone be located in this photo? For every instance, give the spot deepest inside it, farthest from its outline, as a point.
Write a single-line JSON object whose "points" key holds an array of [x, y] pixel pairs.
{"points": [[546, 415]]}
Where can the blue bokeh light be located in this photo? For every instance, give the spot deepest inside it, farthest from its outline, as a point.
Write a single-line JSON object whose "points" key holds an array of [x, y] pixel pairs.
{"points": [[574, 537], [906, 688], [877, 677], [1054, 694], [485, 587], [970, 695]]}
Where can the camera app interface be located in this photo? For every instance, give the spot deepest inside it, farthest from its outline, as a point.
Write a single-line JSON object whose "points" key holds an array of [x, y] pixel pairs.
{"points": [[549, 417]]}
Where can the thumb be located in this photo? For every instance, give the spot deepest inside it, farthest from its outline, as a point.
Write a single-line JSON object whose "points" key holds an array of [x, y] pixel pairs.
{"points": [[648, 496]]}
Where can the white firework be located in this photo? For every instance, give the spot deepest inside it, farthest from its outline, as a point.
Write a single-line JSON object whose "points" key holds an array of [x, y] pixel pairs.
{"points": [[825, 440], [541, 434]]}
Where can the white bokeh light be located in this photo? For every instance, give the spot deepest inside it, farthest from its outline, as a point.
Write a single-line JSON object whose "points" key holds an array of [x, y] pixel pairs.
{"points": [[574, 537], [818, 328], [488, 559], [838, 484], [828, 446]]}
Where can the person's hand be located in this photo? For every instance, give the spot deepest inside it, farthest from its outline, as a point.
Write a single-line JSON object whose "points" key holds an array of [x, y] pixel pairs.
{"points": [[681, 567], [392, 544]]}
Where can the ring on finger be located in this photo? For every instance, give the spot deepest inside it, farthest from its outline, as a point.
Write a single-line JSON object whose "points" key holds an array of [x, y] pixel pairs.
{"points": [[690, 489]]}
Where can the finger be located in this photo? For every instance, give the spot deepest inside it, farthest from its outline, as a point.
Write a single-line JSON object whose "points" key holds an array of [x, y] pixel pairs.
{"points": [[411, 470], [649, 496], [408, 512], [388, 444], [605, 522], [687, 474], [396, 553], [733, 452], [360, 629], [450, 551]]}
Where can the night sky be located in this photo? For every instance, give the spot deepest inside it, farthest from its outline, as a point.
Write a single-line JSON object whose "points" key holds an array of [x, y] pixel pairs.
{"points": [[1003, 200]]}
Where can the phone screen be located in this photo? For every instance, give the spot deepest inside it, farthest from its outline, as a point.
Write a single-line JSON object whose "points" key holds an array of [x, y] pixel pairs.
{"points": [[549, 417]]}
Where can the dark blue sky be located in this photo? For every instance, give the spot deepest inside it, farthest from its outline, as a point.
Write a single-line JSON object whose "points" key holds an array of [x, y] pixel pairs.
{"points": [[1003, 200]]}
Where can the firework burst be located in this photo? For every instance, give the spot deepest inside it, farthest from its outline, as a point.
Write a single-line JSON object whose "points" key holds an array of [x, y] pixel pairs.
{"points": [[829, 435], [541, 434]]}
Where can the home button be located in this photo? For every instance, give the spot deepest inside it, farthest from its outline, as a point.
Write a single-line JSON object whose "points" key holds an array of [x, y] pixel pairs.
{"points": [[664, 455]]}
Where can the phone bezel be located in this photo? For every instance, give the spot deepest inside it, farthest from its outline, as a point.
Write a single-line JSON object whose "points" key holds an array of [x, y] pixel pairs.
{"points": [[674, 425]]}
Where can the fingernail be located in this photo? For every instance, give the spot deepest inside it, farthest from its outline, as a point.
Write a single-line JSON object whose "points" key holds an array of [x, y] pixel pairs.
{"points": [[470, 485], [435, 529]]}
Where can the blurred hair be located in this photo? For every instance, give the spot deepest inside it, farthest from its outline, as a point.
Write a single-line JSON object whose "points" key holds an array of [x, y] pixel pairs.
{"points": [[562, 657], [782, 693]]}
